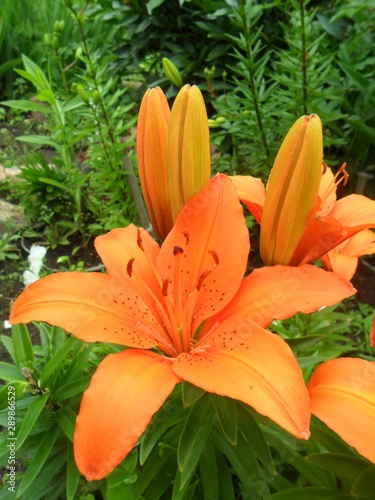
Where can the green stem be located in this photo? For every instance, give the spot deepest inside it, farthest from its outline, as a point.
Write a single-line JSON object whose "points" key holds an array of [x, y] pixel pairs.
{"points": [[303, 55], [253, 88], [93, 73]]}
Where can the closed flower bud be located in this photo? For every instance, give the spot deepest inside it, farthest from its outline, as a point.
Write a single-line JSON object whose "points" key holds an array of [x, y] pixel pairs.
{"points": [[82, 94], [172, 72], [95, 97], [188, 148], [292, 191]]}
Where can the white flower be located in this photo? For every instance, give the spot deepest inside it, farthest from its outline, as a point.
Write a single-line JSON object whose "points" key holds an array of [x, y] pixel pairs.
{"points": [[7, 325], [35, 258]]}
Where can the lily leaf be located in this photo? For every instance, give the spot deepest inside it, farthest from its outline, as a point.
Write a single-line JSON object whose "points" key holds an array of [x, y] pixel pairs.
{"points": [[193, 438], [344, 465]]}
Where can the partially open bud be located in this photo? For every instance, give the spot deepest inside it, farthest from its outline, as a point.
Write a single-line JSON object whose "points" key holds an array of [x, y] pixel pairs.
{"points": [[292, 191], [152, 146], [188, 148]]}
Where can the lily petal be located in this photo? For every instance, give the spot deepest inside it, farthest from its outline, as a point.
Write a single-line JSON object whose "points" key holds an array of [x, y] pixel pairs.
{"points": [[241, 360], [205, 255], [251, 192], [327, 193], [343, 259], [342, 395], [355, 211], [125, 392], [91, 306], [129, 254], [279, 292]]}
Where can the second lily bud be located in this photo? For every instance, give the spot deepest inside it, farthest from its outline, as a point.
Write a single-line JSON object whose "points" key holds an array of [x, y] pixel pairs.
{"points": [[292, 191], [173, 152]]}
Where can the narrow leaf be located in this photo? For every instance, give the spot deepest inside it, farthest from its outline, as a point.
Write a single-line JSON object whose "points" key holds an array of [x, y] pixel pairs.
{"points": [[226, 412], [23, 348], [32, 414], [193, 438], [344, 465], [190, 393], [365, 483], [72, 474], [55, 362], [39, 458], [66, 418], [9, 372], [25, 105]]}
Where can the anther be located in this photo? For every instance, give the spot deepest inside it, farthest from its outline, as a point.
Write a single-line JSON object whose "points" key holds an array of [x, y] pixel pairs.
{"points": [[215, 257], [164, 289], [129, 267], [202, 277], [139, 240], [186, 234]]}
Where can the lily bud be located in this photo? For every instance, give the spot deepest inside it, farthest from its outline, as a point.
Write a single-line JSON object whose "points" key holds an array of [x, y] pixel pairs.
{"points": [[152, 146], [188, 148], [292, 191], [172, 72]]}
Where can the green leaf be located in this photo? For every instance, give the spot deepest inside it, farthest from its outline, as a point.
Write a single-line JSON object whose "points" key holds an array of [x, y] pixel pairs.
{"points": [[36, 72], [23, 348], [47, 95], [153, 4], [304, 342], [365, 483], [10, 372], [39, 458], [18, 389], [8, 64], [365, 130], [226, 412], [72, 474], [32, 414], [38, 139], [308, 492], [194, 436], [52, 182], [46, 477], [55, 362], [169, 415], [225, 478], [344, 465], [252, 432], [190, 393], [208, 472], [66, 418], [29, 77], [360, 81], [25, 105], [8, 344], [71, 389]]}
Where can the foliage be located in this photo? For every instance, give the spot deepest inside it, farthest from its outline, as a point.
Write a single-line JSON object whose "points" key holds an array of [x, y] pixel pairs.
{"points": [[8, 247], [21, 24]]}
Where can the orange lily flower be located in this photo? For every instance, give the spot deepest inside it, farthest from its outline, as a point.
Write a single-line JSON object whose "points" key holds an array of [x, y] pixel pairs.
{"points": [[310, 228], [342, 393], [188, 302], [173, 152]]}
